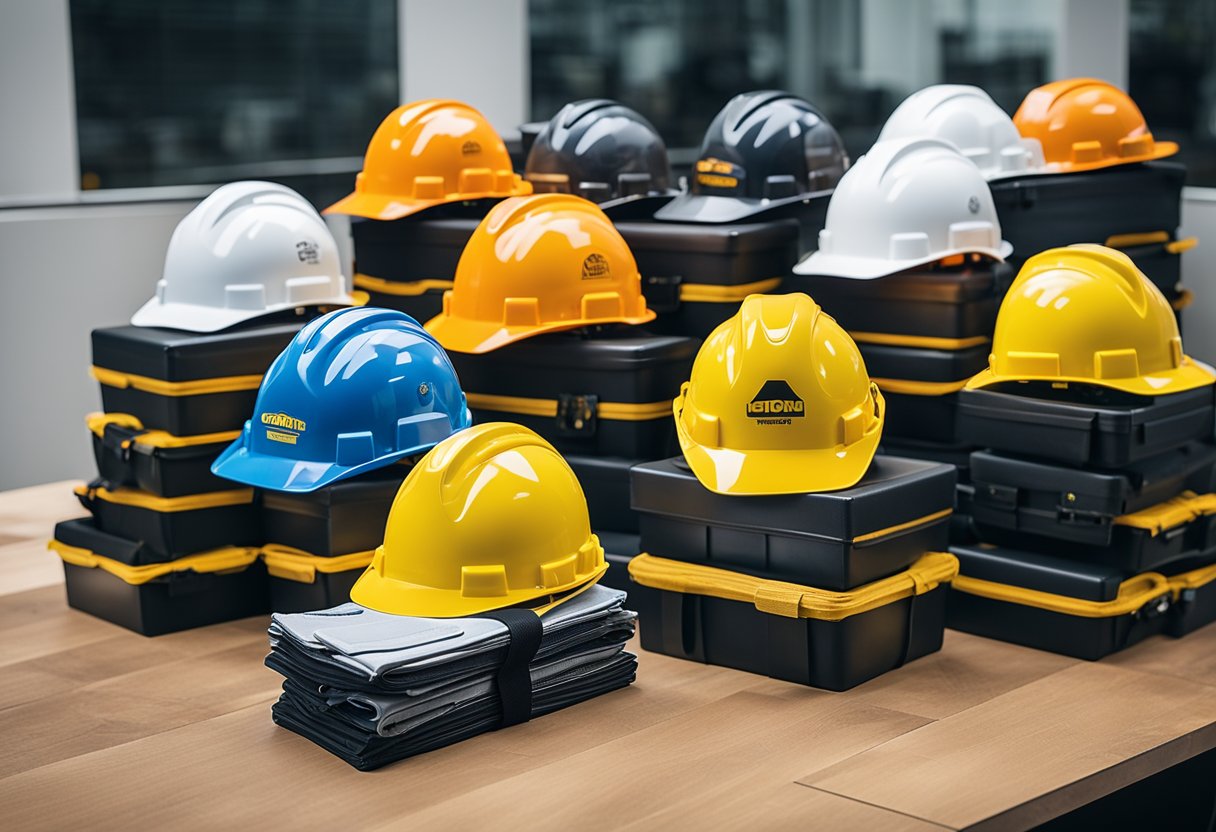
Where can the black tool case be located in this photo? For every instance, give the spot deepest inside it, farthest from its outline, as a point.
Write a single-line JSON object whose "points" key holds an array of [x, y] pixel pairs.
{"points": [[346, 516], [1079, 505], [186, 383], [157, 598], [950, 307], [408, 264], [300, 581], [619, 549], [1083, 610], [153, 460], [175, 527], [605, 482], [834, 540], [604, 392], [921, 387], [1136, 208], [1084, 424], [797, 633], [695, 275]]}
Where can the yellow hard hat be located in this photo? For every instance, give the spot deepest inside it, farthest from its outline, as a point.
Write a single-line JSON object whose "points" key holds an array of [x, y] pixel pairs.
{"points": [[539, 264], [1086, 314], [429, 153], [1086, 124], [779, 402], [491, 517]]}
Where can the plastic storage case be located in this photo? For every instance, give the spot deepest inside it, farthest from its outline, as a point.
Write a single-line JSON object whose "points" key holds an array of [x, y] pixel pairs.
{"points": [[186, 383], [1081, 505], [408, 264], [1078, 609], [619, 549], [695, 276], [1084, 425], [174, 527], [606, 392], [605, 482], [941, 307], [921, 387], [347, 516], [1136, 208], [154, 460], [833, 540], [300, 581], [159, 598], [800, 634]]}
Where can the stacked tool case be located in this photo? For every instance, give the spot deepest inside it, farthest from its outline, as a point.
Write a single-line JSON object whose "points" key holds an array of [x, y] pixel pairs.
{"points": [[1093, 516]]}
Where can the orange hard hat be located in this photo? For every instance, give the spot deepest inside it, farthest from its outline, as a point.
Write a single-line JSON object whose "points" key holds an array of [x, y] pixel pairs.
{"points": [[428, 153], [1085, 124], [538, 264]]}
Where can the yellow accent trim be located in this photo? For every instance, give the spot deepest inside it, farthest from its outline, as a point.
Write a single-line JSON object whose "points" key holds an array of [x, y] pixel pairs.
{"points": [[229, 559], [549, 178], [614, 411], [97, 423], [1139, 238], [1133, 594], [924, 342], [199, 387], [1185, 508], [908, 387], [1185, 298], [793, 600], [1179, 246], [302, 567], [1194, 579], [903, 527], [166, 505], [715, 293], [401, 288]]}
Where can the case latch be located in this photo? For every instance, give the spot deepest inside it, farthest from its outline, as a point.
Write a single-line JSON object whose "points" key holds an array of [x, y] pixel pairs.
{"points": [[1154, 608], [662, 292], [999, 496], [577, 412]]}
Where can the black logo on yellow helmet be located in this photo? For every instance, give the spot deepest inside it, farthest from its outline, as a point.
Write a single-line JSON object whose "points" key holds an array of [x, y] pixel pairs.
{"points": [[776, 404], [470, 147], [596, 265]]}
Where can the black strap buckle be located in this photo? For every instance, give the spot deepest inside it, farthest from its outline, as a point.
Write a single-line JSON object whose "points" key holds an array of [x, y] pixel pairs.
{"points": [[662, 292], [578, 413]]}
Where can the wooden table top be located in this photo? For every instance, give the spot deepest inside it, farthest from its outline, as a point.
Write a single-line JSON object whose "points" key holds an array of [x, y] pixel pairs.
{"points": [[106, 729]]}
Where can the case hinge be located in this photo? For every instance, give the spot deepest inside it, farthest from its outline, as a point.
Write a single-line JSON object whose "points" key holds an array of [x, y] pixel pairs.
{"points": [[577, 413]]}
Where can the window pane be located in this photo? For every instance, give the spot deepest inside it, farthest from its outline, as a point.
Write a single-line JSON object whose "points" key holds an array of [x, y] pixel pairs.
{"points": [[206, 91]]}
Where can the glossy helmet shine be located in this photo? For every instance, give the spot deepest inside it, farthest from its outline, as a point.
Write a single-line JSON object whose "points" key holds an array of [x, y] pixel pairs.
{"points": [[762, 150], [355, 390], [249, 249]]}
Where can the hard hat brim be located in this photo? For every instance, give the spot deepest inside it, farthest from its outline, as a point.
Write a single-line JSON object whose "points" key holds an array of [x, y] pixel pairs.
{"points": [[641, 205], [477, 337], [295, 476], [770, 472], [395, 597], [388, 207], [1189, 375], [869, 268], [1161, 150], [709, 208], [192, 318]]}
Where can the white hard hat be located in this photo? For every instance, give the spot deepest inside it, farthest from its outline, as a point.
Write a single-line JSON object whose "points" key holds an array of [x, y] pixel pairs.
{"points": [[968, 118], [906, 203], [247, 250]]}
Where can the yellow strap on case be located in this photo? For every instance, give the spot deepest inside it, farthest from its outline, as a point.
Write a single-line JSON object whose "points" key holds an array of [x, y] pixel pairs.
{"points": [[142, 499], [788, 599], [1194, 579], [1185, 298], [400, 288], [907, 387], [925, 342], [1133, 594], [903, 527], [1185, 508], [302, 567], [1139, 238], [97, 423], [159, 387], [1179, 246], [217, 561], [614, 411], [718, 293]]}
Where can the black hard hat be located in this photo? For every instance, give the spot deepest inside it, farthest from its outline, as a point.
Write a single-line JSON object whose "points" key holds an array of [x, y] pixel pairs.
{"points": [[762, 150], [600, 150]]}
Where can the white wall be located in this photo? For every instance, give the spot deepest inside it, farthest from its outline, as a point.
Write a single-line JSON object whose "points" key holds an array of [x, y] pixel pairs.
{"points": [[1199, 273]]}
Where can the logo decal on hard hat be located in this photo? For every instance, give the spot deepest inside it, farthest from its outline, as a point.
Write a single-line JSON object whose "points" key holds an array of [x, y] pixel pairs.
{"points": [[715, 173], [470, 147], [308, 252], [973, 205], [291, 427], [596, 265], [776, 404]]}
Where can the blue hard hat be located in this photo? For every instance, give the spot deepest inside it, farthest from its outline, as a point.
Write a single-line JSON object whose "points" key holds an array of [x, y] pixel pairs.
{"points": [[355, 390]]}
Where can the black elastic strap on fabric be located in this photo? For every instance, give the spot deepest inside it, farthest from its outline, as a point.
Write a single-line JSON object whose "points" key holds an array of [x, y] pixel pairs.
{"points": [[514, 678]]}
